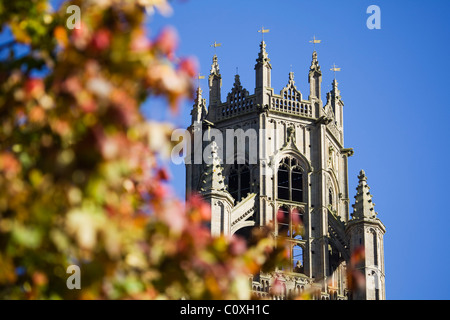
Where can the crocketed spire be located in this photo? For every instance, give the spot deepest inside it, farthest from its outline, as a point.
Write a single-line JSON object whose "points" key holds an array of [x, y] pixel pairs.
{"points": [[199, 110], [363, 207], [315, 78], [335, 93], [215, 83], [213, 177], [263, 70]]}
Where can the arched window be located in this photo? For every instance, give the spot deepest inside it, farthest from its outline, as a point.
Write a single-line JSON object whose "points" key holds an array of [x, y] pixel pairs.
{"points": [[239, 181], [290, 226], [330, 197], [233, 183], [245, 182], [297, 259], [297, 225], [297, 185], [283, 181], [375, 248], [290, 180], [283, 220], [290, 222]]}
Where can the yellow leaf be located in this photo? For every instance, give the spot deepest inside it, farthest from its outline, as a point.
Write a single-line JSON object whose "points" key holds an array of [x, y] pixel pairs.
{"points": [[19, 33], [60, 34]]}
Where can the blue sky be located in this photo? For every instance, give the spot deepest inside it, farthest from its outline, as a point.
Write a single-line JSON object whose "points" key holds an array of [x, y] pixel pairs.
{"points": [[394, 86]]}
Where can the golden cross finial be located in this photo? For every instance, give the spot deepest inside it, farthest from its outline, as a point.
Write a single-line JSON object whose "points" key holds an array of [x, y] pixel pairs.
{"points": [[314, 41], [215, 45], [334, 69], [262, 31]]}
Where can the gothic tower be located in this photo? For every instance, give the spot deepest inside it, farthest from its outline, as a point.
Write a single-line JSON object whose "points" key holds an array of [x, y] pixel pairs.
{"points": [[281, 158]]}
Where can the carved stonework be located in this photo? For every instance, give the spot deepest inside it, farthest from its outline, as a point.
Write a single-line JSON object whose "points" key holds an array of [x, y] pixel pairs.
{"points": [[334, 130], [302, 170], [331, 158]]}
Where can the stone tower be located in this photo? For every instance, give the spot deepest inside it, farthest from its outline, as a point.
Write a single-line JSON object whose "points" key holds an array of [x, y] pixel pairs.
{"points": [[267, 157]]}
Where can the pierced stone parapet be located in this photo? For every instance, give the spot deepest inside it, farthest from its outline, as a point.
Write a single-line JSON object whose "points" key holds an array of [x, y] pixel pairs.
{"points": [[236, 106], [300, 108]]}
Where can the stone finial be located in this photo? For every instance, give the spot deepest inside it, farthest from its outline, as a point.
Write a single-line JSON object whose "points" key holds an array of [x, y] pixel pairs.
{"points": [[291, 76], [215, 66], [335, 90], [315, 63], [237, 81], [198, 97], [291, 82], [263, 56], [362, 176]]}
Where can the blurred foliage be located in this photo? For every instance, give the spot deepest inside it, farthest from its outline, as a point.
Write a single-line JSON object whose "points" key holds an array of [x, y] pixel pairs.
{"points": [[80, 179]]}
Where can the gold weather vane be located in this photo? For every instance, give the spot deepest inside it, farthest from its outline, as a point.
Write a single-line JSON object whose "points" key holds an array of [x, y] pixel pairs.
{"points": [[199, 77], [335, 69], [314, 41], [262, 31], [215, 45]]}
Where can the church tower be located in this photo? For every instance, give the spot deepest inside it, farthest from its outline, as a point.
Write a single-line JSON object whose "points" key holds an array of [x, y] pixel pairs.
{"points": [[280, 158]]}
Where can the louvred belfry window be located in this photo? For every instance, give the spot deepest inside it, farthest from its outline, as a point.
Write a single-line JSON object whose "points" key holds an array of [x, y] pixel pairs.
{"points": [[239, 182], [290, 180]]}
